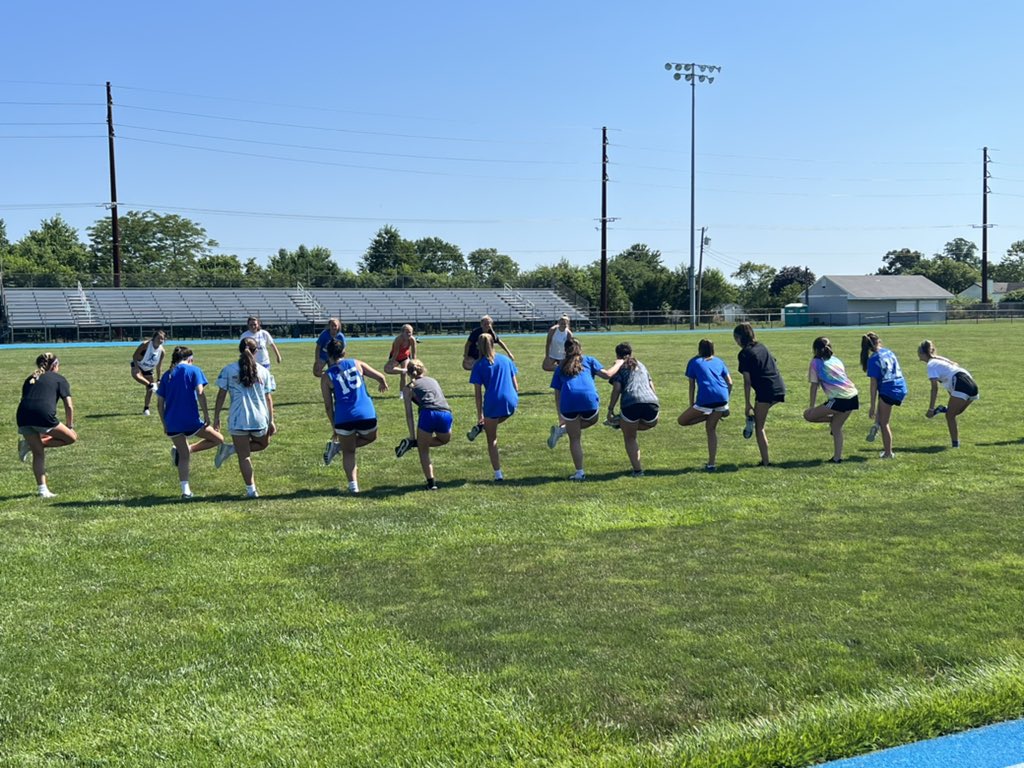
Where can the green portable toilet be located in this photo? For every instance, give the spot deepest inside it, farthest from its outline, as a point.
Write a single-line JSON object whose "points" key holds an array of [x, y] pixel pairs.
{"points": [[796, 314]]}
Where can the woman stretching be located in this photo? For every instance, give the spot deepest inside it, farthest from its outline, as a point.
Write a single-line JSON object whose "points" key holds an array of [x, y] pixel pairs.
{"points": [[578, 401], [956, 380], [251, 415], [179, 399], [434, 426], [403, 349], [37, 417], [640, 404], [827, 371], [888, 387], [760, 375], [146, 363], [710, 385], [497, 397], [349, 408]]}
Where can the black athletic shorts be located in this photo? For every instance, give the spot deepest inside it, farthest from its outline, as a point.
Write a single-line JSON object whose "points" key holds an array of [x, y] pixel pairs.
{"points": [[841, 405]]}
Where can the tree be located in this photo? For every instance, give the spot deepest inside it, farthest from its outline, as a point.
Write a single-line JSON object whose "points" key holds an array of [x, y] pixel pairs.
{"points": [[389, 253], [52, 255], [436, 255], [218, 270], [961, 250], [1013, 297], [648, 284], [492, 268], [715, 290], [156, 249], [788, 276], [312, 267], [952, 275], [755, 284], [901, 262], [1011, 268]]}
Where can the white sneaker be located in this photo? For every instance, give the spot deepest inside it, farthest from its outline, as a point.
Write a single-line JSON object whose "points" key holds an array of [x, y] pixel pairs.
{"points": [[46, 493], [145, 411], [152, 387], [252, 494], [23, 449], [883, 455], [225, 450], [555, 436], [332, 450], [873, 432]]}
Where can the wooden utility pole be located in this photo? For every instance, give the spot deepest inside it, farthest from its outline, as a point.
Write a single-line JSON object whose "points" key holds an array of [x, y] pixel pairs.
{"points": [[604, 226], [985, 175], [115, 231]]}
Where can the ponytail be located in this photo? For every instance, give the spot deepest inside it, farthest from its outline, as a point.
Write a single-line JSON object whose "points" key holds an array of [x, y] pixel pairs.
{"points": [[868, 345], [572, 363], [44, 364], [415, 369], [822, 348], [744, 334], [926, 348], [180, 355], [485, 345], [248, 373], [624, 352]]}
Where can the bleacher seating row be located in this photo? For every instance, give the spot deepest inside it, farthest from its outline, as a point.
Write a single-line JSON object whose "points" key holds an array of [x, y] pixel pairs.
{"points": [[111, 307]]}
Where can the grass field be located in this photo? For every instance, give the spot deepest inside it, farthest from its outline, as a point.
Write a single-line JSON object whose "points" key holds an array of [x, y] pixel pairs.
{"points": [[754, 617]]}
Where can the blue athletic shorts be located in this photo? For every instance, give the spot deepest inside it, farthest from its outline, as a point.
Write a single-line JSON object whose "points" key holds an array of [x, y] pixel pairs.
{"points": [[436, 422]]}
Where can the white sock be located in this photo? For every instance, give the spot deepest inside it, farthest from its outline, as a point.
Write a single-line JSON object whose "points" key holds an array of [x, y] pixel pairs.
{"points": [[498, 475], [43, 488], [250, 488], [185, 487], [353, 486]]}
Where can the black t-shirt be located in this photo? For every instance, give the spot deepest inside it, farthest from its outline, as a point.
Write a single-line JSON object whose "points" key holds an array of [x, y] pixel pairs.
{"points": [[474, 351], [765, 379], [38, 406]]}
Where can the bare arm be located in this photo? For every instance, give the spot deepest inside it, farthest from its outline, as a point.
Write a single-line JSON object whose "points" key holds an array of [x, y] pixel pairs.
{"points": [[217, 406], [814, 393], [374, 374], [874, 396], [160, 410], [507, 350], [547, 341], [201, 397], [693, 392], [614, 399], [934, 396], [277, 352], [139, 352], [270, 414], [327, 391], [408, 412], [69, 414], [607, 373], [413, 346], [749, 410]]}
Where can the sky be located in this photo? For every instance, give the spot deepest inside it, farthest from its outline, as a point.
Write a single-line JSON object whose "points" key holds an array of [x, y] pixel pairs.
{"points": [[834, 132]]}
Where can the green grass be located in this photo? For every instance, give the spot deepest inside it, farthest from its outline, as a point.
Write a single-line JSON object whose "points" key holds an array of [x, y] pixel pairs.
{"points": [[756, 617]]}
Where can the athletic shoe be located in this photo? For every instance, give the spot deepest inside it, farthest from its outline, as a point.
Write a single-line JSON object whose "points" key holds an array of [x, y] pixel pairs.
{"points": [[187, 496], [555, 436], [748, 428], [941, 409], [152, 387], [252, 494], [884, 455], [873, 432], [725, 413], [710, 467], [637, 473], [956, 444], [174, 456], [499, 479], [332, 450], [145, 411], [613, 421], [577, 477], [404, 447], [223, 452], [46, 493], [431, 484], [23, 449], [476, 430], [834, 460]]}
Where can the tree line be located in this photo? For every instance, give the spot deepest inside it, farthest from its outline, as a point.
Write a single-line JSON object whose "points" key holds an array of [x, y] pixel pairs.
{"points": [[167, 250]]}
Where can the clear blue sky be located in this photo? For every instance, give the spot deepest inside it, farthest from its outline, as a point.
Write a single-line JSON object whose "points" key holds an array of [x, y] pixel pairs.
{"points": [[835, 131]]}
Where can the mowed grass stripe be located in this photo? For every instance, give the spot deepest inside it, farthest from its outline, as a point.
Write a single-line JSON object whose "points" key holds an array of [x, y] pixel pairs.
{"points": [[753, 617]]}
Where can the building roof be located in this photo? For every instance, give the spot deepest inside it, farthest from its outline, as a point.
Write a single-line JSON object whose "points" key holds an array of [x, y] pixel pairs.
{"points": [[999, 289], [886, 286]]}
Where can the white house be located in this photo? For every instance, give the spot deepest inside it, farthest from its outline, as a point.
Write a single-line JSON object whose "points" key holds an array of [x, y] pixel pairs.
{"points": [[996, 291], [875, 299]]}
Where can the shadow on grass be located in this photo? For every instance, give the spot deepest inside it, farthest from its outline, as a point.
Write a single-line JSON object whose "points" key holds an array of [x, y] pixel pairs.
{"points": [[156, 501], [113, 415], [1018, 441], [921, 449]]}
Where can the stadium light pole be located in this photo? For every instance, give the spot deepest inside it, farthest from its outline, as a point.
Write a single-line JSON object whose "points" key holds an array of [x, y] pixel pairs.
{"points": [[693, 73]]}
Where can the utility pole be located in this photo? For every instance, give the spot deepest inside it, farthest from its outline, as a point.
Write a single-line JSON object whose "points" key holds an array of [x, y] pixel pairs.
{"points": [[692, 78], [985, 176], [604, 225], [115, 231], [700, 268]]}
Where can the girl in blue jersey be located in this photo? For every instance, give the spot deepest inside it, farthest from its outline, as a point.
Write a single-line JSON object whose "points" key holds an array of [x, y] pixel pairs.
{"points": [[349, 408], [497, 396], [331, 333], [710, 385], [888, 387], [179, 398], [578, 401], [251, 415]]}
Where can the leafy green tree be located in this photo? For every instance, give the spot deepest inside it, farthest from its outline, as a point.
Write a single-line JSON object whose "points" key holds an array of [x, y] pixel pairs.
{"points": [[802, 277], [755, 281], [443, 258], [313, 267], [1013, 297], [954, 276], [492, 268], [1011, 268], [156, 249], [220, 270], [648, 284], [961, 250], [51, 255], [715, 290], [584, 281], [901, 262], [390, 254]]}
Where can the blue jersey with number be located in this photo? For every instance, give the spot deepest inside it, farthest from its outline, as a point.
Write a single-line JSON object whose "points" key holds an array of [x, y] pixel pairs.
{"points": [[885, 368], [351, 400]]}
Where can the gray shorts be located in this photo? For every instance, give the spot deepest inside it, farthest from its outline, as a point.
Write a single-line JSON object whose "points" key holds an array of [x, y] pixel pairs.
{"points": [[249, 432], [35, 430]]}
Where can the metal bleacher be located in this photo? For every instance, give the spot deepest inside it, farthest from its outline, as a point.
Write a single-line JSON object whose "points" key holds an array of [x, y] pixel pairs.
{"points": [[74, 310]]}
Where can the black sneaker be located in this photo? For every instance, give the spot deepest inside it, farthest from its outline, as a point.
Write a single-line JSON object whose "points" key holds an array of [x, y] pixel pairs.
{"points": [[476, 430], [431, 484], [404, 447], [748, 428]]}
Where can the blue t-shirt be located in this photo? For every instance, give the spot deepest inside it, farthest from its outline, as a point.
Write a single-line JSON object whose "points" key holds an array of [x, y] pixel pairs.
{"points": [[884, 367], [324, 339], [500, 396], [351, 400], [579, 395], [181, 401], [711, 375]]}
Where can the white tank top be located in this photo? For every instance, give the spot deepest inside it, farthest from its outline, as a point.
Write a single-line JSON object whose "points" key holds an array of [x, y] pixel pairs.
{"points": [[556, 351], [151, 359]]}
